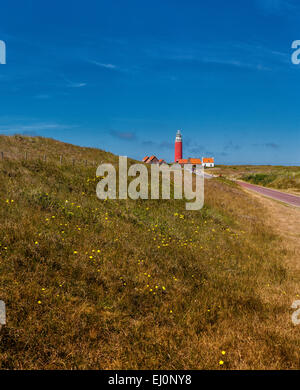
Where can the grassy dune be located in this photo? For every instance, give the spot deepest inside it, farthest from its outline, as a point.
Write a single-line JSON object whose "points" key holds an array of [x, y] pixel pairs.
{"points": [[135, 284], [284, 178]]}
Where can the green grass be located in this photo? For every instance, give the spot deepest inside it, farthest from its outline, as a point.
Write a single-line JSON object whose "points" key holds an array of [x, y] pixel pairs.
{"points": [[280, 177], [262, 179], [93, 284]]}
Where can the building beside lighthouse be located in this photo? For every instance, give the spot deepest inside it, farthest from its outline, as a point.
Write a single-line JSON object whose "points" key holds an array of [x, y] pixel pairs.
{"points": [[206, 162]]}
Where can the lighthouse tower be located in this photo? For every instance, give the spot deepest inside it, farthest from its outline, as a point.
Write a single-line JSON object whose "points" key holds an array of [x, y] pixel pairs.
{"points": [[178, 146]]}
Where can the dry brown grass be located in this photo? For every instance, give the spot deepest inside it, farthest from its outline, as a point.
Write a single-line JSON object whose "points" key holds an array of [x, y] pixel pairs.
{"points": [[285, 221], [169, 289]]}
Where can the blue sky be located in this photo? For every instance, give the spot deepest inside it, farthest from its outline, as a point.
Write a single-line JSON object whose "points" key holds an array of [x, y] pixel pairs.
{"points": [[125, 75]]}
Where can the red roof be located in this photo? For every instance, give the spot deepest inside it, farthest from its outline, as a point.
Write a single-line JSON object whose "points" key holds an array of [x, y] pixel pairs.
{"points": [[182, 161], [152, 158], [195, 161], [145, 158], [208, 160]]}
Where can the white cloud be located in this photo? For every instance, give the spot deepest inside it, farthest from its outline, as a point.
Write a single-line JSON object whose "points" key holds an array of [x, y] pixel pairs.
{"points": [[34, 127], [252, 56], [73, 84], [76, 85], [107, 66], [238, 64]]}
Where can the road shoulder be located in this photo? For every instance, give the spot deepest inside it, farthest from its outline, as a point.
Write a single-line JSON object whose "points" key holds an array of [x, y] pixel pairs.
{"points": [[285, 221]]}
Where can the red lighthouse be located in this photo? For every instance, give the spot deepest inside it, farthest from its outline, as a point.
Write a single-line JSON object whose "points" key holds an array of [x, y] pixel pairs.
{"points": [[178, 146]]}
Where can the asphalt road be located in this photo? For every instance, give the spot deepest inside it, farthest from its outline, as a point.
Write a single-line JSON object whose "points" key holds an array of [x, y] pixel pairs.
{"points": [[293, 200], [290, 199], [205, 175]]}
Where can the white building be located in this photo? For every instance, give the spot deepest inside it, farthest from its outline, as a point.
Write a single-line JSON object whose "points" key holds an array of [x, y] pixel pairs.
{"points": [[208, 162]]}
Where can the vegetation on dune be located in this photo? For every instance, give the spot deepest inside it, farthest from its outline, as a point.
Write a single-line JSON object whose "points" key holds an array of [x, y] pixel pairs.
{"points": [[259, 178], [135, 284], [284, 178]]}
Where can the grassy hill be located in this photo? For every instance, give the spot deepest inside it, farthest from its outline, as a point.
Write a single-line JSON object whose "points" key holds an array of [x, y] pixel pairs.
{"points": [[135, 284], [280, 177]]}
